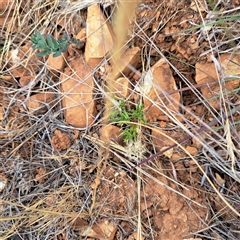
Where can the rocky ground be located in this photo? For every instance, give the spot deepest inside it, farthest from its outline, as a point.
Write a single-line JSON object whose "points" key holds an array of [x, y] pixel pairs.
{"points": [[67, 172]]}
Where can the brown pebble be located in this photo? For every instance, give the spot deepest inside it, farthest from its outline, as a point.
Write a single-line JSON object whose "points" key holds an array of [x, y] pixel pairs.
{"points": [[162, 124], [191, 150], [137, 75]]}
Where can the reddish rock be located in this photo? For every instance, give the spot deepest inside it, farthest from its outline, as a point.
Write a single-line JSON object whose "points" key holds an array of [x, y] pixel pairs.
{"points": [[104, 229], [207, 73], [110, 133], [191, 150], [6, 4], [163, 139], [6, 10], [159, 79], [41, 175], [8, 78], [1, 114], [60, 141], [137, 76], [77, 88], [130, 59], [25, 80], [82, 35], [99, 36], [40, 102], [17, 57], [136, 236], [3, 182], [5, 18], [56, 64], [122, 87]]}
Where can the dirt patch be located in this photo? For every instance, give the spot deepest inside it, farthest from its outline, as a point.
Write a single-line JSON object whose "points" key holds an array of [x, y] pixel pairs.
{"points": [[60, 141]]}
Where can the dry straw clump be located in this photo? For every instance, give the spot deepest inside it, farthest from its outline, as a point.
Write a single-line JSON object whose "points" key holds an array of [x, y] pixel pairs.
{"points": [[178, 100]]}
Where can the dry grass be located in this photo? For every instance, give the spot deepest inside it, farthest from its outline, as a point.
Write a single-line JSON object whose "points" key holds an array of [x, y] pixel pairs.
{"points": [[45, 210]]}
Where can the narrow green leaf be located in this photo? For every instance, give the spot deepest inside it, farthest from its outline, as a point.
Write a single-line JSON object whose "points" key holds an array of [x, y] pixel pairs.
{"points": [[55, 43], [49, 39], [76, 42], [64, 47], [40, 37], [56, 54], [41, 45], [45, 52], [65, 36]]}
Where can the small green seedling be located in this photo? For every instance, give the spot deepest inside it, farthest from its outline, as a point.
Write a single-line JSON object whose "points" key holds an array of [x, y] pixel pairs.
{"points": [[126, 118], [50, 45]]}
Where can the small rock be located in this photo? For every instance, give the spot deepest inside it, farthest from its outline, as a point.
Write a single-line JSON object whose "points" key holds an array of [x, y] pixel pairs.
{"points": [[82, 35], [56, 64], [219, 179], [137, 76], [3, 182], [192, 239], [176, 156], [25, 80], [6, 9], [130, 59], [162, 124], [18, 56], [175, 204], [198, 143], [40, 102], [77, 87], [160, 140], [102, 230], [135, 236], [51, 199], [8, 78], [99, 36], [191, 193], [191, 150], [7, 4], [78, 224], [200, 110], [206, 73], [158, 79], [41, 175], [1, 114], [221, 208], [164, 118], [201, 6], [122, 87], [60, 141], [110, 133], [19, 72]]}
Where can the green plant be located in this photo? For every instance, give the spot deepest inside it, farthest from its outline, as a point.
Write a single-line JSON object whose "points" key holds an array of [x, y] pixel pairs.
{"points": [[50, 45], [126, 118]]}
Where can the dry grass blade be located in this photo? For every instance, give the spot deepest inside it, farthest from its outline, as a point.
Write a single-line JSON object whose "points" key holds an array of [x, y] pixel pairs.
{"points": [[175, 176]]}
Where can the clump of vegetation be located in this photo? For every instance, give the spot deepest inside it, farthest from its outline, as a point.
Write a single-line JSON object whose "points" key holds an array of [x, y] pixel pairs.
{"points": [[122, 116], [50, 45], [127, 119]]}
